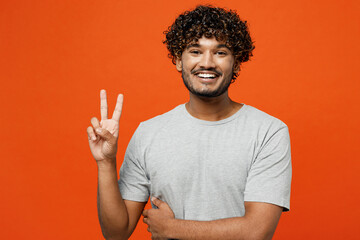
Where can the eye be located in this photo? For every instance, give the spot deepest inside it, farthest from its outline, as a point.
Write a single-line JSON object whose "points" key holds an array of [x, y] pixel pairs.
{"points": [[221, 53], [195, 52]]}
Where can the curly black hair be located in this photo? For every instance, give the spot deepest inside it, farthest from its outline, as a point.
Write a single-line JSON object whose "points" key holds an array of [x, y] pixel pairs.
{"points": [[210, 22]]}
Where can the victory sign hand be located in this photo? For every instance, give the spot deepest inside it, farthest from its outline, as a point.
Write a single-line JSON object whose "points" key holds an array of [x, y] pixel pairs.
{"points": [[103, 135]]}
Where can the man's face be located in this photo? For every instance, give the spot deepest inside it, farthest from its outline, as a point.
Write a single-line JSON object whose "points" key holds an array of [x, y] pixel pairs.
{"points": [[207, 67]]}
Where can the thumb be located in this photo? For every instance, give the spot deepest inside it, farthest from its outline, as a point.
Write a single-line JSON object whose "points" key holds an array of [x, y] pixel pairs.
{"points": [[105, 134], [157, 202]]}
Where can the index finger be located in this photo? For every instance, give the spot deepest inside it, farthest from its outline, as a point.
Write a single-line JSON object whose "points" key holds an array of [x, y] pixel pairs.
{"points": [[145, 213], [118, 108], [103, 105]]}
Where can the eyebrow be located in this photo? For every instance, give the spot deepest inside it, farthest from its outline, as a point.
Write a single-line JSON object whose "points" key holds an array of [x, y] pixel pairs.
{"points": [[198, 45], [192, 45], [223, 46]]}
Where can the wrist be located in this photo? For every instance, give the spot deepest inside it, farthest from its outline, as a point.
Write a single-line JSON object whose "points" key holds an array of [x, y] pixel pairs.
{"points": [[170, 228], [107, 164]]}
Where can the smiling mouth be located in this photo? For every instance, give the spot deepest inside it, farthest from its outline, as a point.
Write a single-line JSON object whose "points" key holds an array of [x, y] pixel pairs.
{"points": [[206, 75]]}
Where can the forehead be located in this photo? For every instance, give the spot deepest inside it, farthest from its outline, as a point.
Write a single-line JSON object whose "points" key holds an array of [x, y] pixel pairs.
{"points": [[207, 43]]}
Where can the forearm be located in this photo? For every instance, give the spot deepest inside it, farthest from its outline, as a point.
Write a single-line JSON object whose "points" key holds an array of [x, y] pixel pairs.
{"points": [[231, 228], [113, 215], [219, 229]]}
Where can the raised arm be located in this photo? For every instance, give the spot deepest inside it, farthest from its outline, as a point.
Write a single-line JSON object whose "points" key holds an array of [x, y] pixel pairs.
{"points": [[118, 217]]}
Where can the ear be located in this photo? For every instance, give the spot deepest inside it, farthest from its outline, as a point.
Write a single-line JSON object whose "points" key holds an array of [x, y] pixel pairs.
{"points": [[236, 67], [178, 64]]}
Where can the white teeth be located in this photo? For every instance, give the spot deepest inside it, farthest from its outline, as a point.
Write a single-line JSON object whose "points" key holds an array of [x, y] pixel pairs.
{"points": [[206, 75]]}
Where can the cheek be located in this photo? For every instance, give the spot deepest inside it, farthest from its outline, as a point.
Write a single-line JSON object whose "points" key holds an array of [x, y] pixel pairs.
{"points": [[225, 64], [229, 70], [189, 63]]}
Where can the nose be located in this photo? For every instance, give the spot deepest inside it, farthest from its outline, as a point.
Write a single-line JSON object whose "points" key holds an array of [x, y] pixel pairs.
{"points": [[207, 61]]}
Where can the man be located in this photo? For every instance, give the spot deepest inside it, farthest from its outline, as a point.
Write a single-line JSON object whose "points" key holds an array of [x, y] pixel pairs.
{"points": [[214, 168]]}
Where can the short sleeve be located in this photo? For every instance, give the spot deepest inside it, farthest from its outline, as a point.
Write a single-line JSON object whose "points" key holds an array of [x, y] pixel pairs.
{"points": [[269, 178], [133, 183]]}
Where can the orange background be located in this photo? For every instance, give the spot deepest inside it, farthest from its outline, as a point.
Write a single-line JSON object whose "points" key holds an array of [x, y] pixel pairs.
{"points": [[57, 55]]}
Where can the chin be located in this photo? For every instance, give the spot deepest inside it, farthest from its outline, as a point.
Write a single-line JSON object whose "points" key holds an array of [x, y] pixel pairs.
{"points": [[207, 94]]}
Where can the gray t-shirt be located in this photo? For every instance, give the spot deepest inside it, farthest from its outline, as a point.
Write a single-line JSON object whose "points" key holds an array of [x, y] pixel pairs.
{"points": [[205, 170]]}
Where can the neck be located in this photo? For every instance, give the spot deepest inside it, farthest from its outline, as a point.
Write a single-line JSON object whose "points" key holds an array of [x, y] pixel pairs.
{"points": [[212, 109]]}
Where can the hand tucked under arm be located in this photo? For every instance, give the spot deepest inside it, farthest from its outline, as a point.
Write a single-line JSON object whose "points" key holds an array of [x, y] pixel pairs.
{"points": [[259, 222], [158, 219]]}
